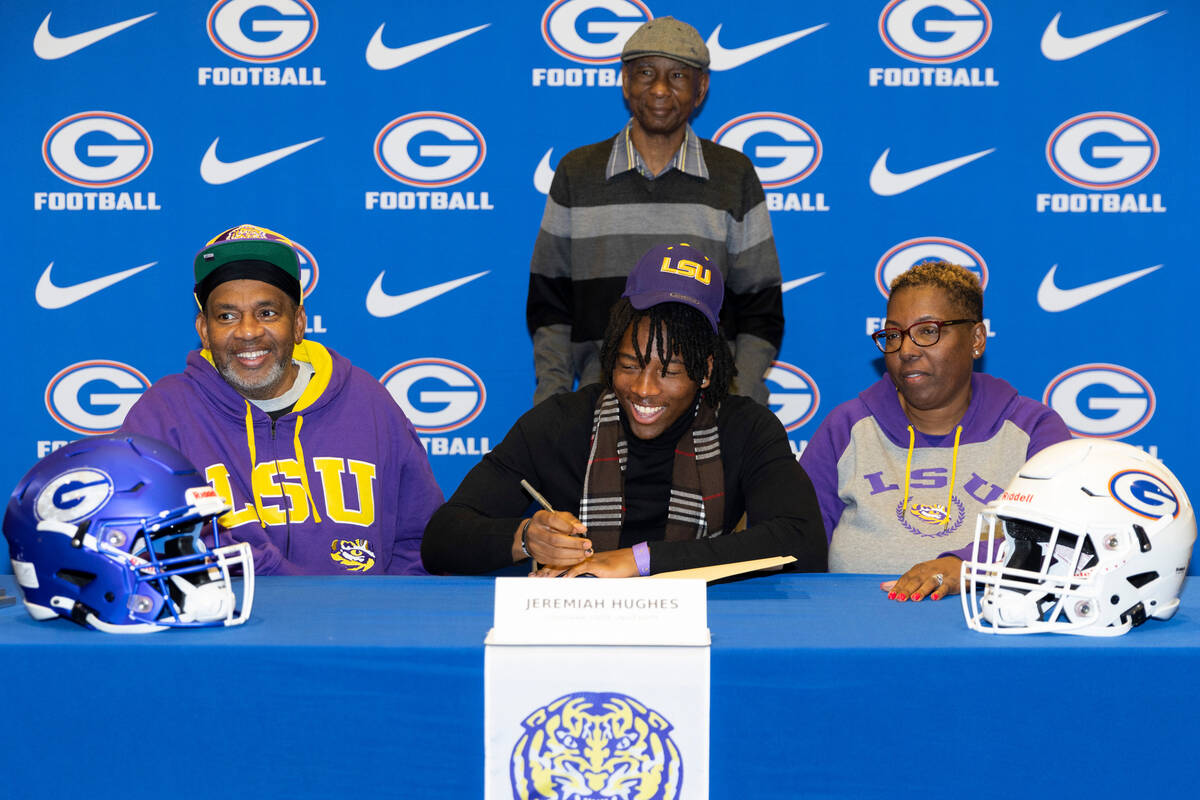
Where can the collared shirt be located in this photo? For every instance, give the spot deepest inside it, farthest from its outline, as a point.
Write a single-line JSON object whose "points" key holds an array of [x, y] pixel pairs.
{"points": [[624, 156]]}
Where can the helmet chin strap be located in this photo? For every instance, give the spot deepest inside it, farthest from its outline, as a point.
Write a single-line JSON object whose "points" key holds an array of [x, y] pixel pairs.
{"points": [[205, 603]]}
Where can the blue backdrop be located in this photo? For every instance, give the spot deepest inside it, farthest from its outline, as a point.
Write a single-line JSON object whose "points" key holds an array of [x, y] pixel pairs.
{"points": [[407, 148]]}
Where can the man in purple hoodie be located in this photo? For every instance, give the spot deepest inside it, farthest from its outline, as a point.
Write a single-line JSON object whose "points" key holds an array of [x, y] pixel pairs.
{"points": [[323, 470]]}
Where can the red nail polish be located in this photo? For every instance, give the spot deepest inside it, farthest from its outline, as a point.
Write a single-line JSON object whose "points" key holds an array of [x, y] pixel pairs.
{"points": [[891, 595], [903, 596], [935, 597], [916, 598]]}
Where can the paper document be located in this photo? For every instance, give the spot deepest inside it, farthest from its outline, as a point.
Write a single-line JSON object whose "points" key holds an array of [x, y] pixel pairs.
{"points": [[716, 573]]}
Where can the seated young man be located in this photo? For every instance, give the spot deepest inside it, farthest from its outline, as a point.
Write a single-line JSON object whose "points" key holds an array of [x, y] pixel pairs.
{"points": [[649, 471]]}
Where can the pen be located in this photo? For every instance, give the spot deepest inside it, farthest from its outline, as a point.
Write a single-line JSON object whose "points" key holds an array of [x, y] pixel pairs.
{"points": [[536, 495], [543, 502]]}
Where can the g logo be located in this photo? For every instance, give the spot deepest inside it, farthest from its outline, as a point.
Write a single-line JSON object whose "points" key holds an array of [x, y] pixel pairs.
{"points": [[115, 149], [953, 38], [799, 399], [1126, 396], [290, 30], [438, 162], [908, 254], [596, 744], [73, 495], [456, 399], [1144, 494], [309, 274], [81, 397], [795, 159], [560, 28], [1102, 150]]}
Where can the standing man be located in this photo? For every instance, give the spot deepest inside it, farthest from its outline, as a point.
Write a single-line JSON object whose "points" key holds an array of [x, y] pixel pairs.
{"points": [[656, 180], [323, 470]]}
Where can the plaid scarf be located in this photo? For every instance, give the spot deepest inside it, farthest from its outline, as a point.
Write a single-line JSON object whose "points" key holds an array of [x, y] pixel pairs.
{"points": [[697, 506]]}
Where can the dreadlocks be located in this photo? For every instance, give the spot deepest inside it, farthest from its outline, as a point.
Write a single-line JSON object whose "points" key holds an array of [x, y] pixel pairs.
{"points": [[678, 330]]}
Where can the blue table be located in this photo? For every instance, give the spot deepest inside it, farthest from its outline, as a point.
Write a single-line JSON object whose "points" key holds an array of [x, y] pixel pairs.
{"points": [[373, 687]]}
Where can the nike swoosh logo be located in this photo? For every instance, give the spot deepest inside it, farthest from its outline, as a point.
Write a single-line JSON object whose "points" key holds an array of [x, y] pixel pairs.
{"points": [[1057, 47], [543, 176], [887, 183], [48, 47], [215, 171], [380, 56], [1052, 298], [720, 58], [789, 285], [50, 296], [382, 304]]}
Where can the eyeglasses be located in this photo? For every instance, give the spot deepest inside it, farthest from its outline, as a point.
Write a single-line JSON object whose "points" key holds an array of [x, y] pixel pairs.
{"points": [[923, 334]]}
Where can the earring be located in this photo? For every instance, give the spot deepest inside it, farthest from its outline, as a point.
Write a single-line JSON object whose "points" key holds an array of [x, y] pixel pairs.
{"points": [[977, 354]]}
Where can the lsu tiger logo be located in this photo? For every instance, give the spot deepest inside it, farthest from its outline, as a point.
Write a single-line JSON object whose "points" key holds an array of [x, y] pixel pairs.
{"points": [[929, 513], [932, 520], [355, 554], [596, 745]]}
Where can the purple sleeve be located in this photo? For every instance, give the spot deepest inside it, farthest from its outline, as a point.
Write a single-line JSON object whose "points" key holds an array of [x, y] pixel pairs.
{"points": [[820, 461], [418, 496], [148, 417], [1048, 429]]}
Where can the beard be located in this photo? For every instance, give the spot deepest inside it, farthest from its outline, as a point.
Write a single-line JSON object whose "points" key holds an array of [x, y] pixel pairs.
{"points": [[252, 389]]}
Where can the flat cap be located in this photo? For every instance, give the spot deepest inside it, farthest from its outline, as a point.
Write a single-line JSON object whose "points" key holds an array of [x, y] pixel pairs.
{"points": [[667, 36]]}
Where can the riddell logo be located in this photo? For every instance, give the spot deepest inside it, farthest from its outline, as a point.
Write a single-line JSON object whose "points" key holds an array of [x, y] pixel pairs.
{"points": [[785, 149], [430, 149], [935, 31], [908, 254], [262, 32], [1102, 150], [93, 397], [592, 31], [97, 149]]}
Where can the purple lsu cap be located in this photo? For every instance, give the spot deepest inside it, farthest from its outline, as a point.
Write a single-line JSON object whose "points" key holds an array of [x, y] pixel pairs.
{"points": [[676, 273]]}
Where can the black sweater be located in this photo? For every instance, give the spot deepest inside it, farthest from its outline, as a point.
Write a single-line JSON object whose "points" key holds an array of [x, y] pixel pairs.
{"points": [[548, 446]]}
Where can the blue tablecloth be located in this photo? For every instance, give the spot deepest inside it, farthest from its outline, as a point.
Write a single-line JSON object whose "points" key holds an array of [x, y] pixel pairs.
{"points": [[373, 687]]}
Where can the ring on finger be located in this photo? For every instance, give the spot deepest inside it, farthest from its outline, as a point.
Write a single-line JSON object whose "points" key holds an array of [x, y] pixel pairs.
{"points": [[939, 578]]}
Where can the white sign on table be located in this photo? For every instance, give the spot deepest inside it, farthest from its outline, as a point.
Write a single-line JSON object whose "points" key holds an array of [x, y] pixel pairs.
{"points": [[597, 686]]}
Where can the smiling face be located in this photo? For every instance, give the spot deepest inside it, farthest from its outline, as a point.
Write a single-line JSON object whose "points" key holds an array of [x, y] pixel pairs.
{"points": [[934, 382], [651, 400], [662, 92], [251, 328]]}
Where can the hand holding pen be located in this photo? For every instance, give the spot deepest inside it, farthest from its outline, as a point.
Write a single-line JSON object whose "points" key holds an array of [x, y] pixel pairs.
{"points": [[552, 537]]}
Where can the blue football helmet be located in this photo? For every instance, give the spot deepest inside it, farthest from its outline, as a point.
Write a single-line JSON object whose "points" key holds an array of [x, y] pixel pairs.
{"points": [[106, 531]]}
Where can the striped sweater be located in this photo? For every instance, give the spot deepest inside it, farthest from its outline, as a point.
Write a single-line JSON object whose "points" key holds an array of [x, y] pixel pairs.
{"points": [[595, 228]]}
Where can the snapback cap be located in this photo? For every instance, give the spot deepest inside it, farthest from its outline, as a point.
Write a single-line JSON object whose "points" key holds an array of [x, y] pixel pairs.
{"points": [[247, 251]]}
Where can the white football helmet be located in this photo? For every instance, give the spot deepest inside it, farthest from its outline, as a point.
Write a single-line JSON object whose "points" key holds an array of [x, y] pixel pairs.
{"points": [[1096, 538]]}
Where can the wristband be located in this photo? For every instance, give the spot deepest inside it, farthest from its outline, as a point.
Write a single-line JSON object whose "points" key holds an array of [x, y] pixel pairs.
{"points": [[641, 557], [524, 541]]}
